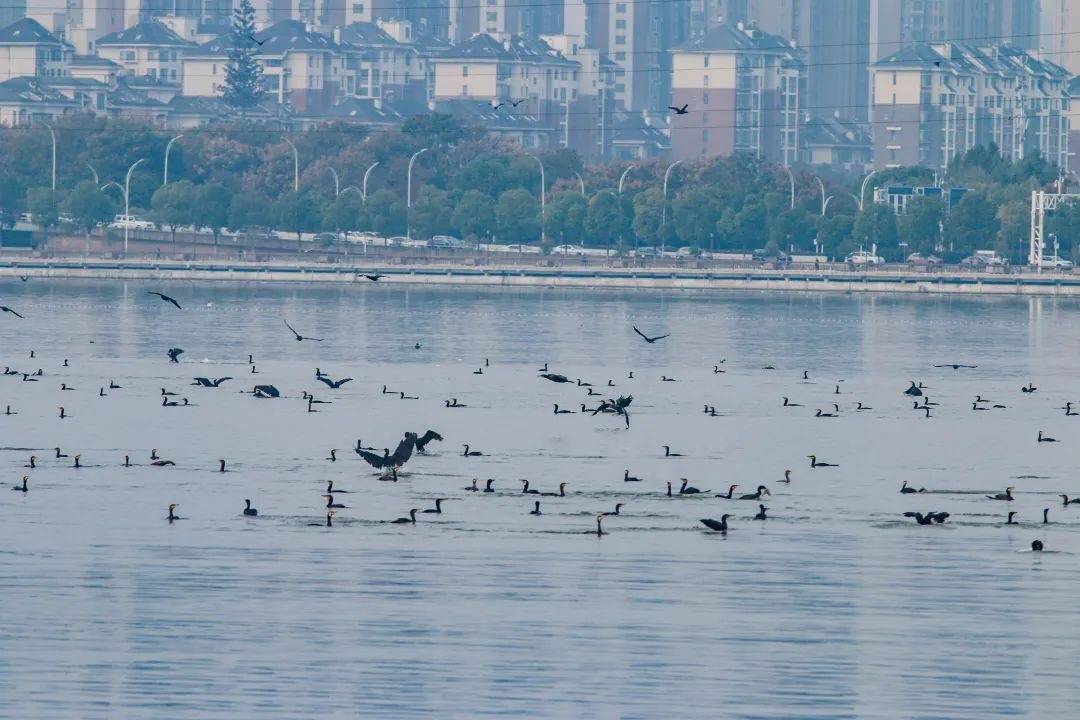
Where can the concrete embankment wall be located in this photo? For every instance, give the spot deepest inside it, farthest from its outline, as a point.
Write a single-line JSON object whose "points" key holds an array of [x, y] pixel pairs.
{"points": [[845, 282]]}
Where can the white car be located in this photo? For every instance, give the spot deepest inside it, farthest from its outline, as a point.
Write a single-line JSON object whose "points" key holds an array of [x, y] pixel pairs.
{"points": [[1056, 263], [567, 250], [523, 249], [861, 257], [131, 223]]}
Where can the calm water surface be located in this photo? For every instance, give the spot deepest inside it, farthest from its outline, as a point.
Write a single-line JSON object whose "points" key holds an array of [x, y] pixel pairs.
{"points": [[834, 607]]}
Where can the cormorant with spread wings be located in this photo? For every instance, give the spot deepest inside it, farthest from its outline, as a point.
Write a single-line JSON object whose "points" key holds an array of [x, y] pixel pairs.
{"points": [[399, 457]]}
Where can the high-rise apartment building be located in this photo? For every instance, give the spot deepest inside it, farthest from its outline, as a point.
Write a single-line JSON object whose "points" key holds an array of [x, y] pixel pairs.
{"points": [[743, 91], [894, 23], [932, 103]]}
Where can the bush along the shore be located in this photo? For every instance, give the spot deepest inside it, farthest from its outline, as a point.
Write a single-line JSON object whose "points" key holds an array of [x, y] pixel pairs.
{"points": [[241, 177]]}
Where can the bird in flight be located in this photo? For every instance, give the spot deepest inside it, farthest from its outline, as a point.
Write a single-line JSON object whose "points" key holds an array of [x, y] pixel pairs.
{"points": [[679, 111], [374, 278], [515, 103], [956, 366], [210, 382], [497, 106], [332, 384], [6, 309], [648, 339], [166, 298], [174, 354], [300, 337]]}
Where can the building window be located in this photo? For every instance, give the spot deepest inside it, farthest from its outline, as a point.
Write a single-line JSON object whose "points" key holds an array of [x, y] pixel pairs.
{"points": [[464, 89], [620, 7], [706, 61], [127, 56], [620, 55], [620, 24], [358, 8], [620, 39], [464, 71], [493, 17], [704, 98]]}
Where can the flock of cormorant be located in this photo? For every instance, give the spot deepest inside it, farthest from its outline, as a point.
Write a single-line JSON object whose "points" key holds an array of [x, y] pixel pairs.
{"points": [[390, 465]]}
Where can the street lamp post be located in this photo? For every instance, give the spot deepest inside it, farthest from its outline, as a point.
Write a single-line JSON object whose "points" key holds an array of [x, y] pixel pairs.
{"points": [[823, 200], [622, 178], [52, 134], [127, 205], [581, 181], [791, 177], [408, 189], [543, 202], [168, 149], [337, 182], [97, 181], [663, 211], [296, 166], [363, 190], [862, 190]]}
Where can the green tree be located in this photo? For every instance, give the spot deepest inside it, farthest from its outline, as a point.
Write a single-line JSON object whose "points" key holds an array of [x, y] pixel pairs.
{"points": [[249, 210], [243, 74], [173, 205], [386, 213], [430, 214], [566, 215], [88, 206], [695, 213], [344, 213], [211, 207], [920, 225], [972, 224], [875, 226], [474, 215], [1014, 228], [12, 199], [605, 222], [297, 212], [834, 235], [44, 205], [517, 216], [648, 215], [749, 227], [793, 228]]}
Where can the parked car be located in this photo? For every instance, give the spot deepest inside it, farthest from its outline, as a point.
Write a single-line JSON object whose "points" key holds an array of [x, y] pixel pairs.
{"points": [[919, 260], [646, 252], [517, 248], [567, 250], [779, 257], [448, 241], [984, 259], [861, 258], [131, 223], [1054, 262]]}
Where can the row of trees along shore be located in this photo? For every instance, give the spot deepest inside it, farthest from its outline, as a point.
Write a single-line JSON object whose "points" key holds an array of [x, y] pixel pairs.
{"points": [[240, 177]]}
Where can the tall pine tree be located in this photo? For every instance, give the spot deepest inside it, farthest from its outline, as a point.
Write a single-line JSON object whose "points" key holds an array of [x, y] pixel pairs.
{"points": [[243, 76]]}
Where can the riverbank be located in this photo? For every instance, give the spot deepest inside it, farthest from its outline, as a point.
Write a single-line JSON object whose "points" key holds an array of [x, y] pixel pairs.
{"points": [[965, 283]]}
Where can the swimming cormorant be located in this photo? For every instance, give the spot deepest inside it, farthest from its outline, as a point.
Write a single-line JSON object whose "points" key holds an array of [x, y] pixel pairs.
{"points": [[905, 490], [628, 478], [489, 486], [330, 489], [1045, 438], [815, 464], [438, 506], [668, 453], [22, 488], [536, 509], [788, 403], [472, 488], [718, 525], [730, 493], [1010, 521], [1046, 514], [756, 495], [248, 510], [331, 504], [761, 513], [688, 489], [561, 493], [555, 377], [1066, 501], [525, 488], [471, 453], [172, 515], [562, 412], [403, 520], [1036, 546], [1007, 495]]}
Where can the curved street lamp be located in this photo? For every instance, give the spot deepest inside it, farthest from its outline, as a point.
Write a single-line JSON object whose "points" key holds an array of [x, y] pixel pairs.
{"points": [[363, 187], [862, 189], [663, 212], [337, 183], [622, 178], [296, 165], [543, 204], [168, 148], [52, 134], [408, 189]]}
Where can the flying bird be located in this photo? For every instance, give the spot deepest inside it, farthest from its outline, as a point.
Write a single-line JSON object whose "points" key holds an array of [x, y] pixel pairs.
{"points": [[166, 298], [174, 354], [679, 111], [6, 309], [956, 366], [374, 278], [332, 384], [299, 337], [423, 440], [648, 339], [208, 382], [400, 456]]}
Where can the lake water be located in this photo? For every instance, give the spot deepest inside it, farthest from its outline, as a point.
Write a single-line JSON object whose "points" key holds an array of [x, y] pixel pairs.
{"points": [[836, 606]]}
